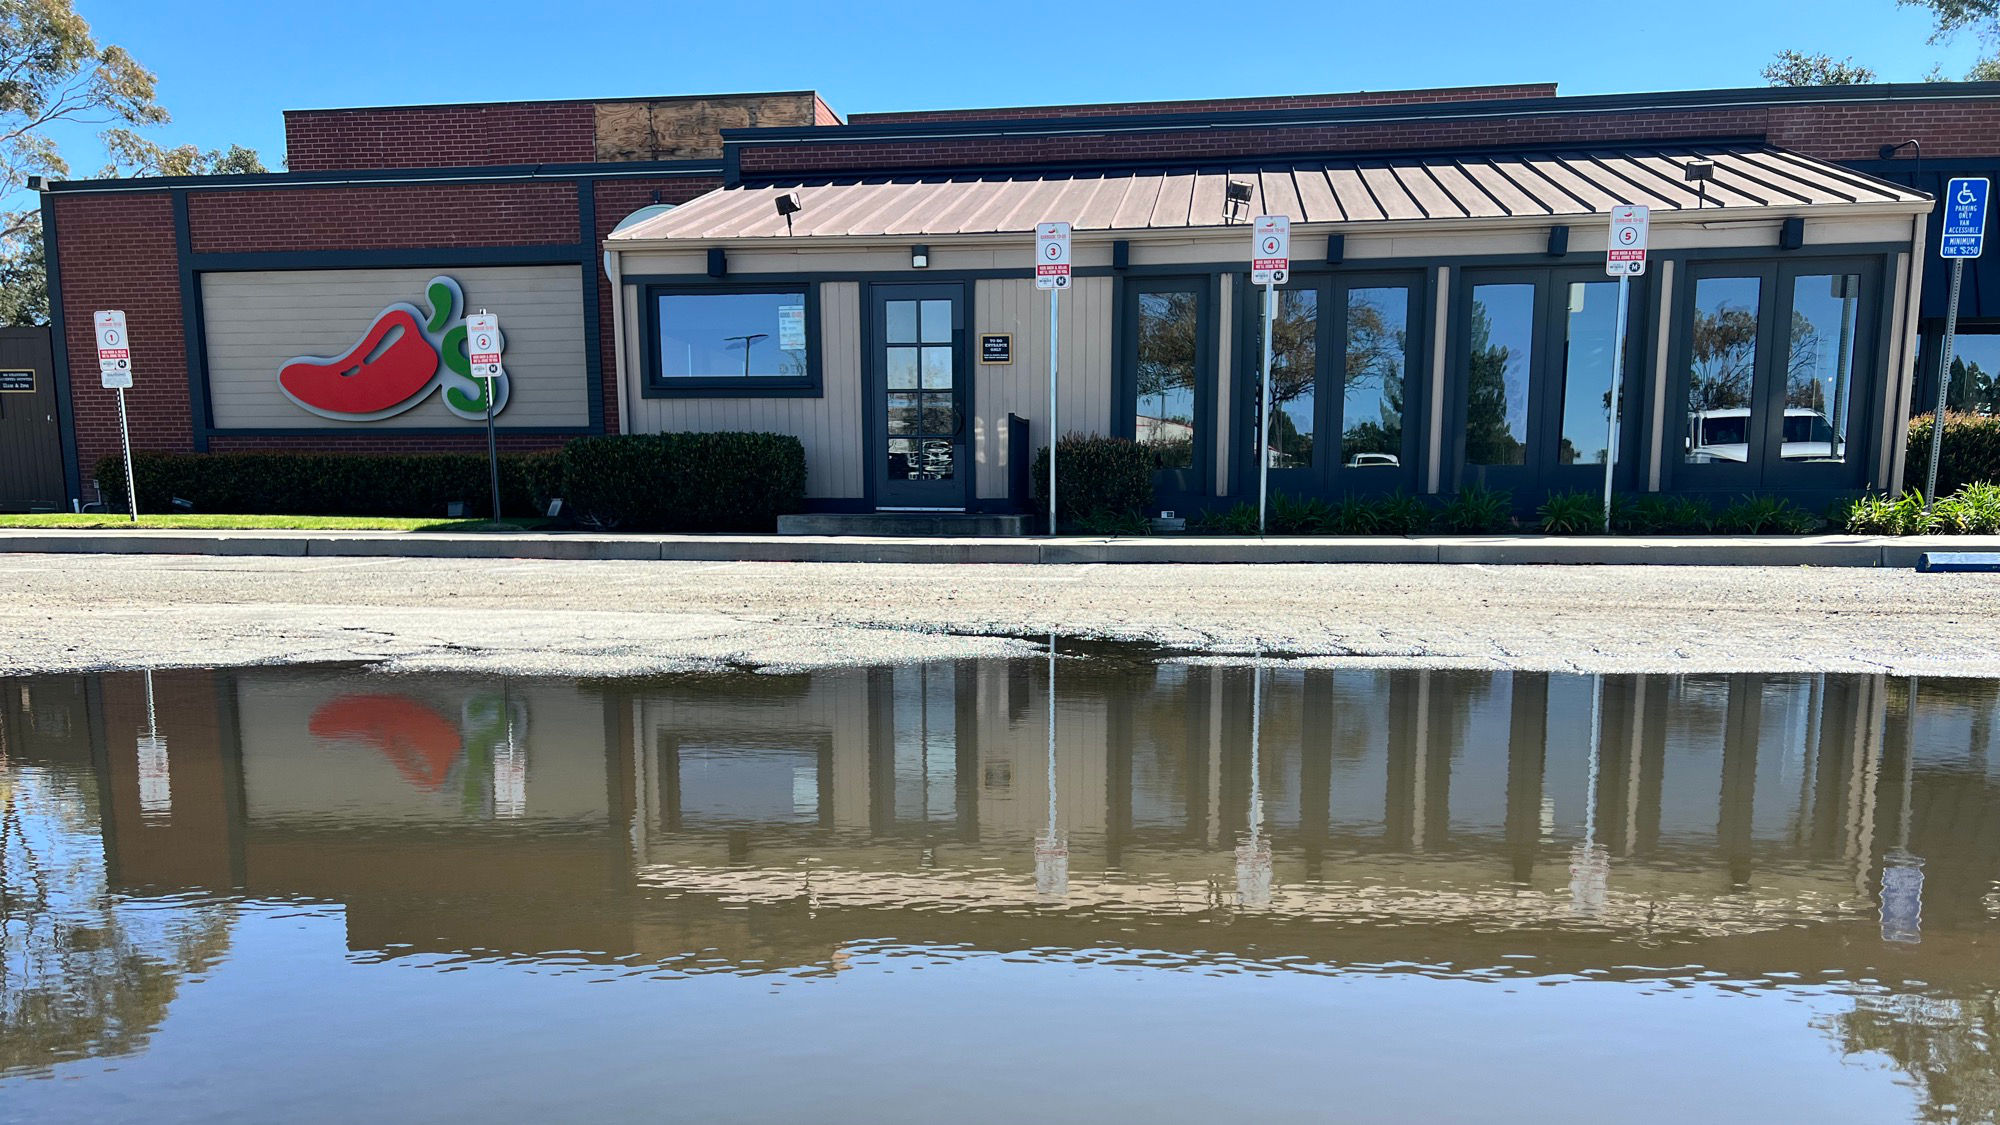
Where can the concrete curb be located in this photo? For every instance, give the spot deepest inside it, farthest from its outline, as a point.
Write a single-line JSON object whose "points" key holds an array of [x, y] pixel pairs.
{"points": [[1543, 550]]}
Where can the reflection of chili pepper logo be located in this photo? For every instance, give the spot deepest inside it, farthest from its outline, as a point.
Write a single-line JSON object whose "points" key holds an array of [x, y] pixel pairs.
{"points": [[396, 364], [422, 744]]}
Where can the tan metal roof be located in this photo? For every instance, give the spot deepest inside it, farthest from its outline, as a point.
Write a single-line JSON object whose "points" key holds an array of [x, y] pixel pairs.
{"points": [[1555, 183]]}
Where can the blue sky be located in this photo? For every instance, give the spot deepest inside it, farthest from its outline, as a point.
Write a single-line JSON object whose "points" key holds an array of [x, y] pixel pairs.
{"points": [[226, 72]]}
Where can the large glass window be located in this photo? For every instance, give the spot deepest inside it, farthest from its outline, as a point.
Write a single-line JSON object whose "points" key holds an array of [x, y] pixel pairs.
{"points": [[923, 420], [1590, 332], [1502, 341], [1975, 372], [1819, 371], [1377, 358], [1165, 415], [1722, 370], [1294, 370], [727, 335]]}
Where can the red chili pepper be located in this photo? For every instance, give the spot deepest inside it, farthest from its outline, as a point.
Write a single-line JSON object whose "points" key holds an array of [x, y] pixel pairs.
{"points": [[377, 374], [421, 743]]}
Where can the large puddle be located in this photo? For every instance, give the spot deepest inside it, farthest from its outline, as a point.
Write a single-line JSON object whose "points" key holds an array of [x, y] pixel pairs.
{"points": [[1081, 890]]}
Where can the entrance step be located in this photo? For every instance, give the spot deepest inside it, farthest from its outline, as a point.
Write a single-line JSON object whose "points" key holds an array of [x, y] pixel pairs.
{"points": [[920, 524]]}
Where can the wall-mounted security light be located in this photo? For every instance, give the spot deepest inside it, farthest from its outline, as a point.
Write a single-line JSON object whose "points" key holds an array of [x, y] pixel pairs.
{"points": [[1558, 241], [1699, 172], [38, 183], [920, 257], [788, 205], [718, 262], [1792, 234], [1336, 249], [1235, 201]]}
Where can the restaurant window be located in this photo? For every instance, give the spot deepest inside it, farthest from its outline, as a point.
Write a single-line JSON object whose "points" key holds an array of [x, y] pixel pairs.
{"points": [[1777, 369], [1975, 371], [1376, 364], [740, 341], [1167, 364], [1590, 331], [1294, 371], [1501, 362]]}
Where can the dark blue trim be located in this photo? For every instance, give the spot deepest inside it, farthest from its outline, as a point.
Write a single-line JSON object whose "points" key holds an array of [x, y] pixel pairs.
{"points": [[489, 173], [593, 295], [652, 385], [732, 166], [193, 335], [1587, 105], [399, 257], [59, 356]]}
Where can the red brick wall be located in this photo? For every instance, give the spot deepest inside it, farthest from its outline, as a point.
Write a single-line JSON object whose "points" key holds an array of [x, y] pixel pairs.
{"points": [[117, 252], [615, 200], [1836, 132], [375, 216], [445, 136], [1219, 105]]}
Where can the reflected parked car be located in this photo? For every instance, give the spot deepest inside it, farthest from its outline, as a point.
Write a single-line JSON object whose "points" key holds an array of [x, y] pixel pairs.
{"points": [[1722, 435], [1367, 460]]}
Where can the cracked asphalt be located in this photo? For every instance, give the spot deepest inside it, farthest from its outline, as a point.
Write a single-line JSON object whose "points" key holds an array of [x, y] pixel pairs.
{"points": [[533, 617]]}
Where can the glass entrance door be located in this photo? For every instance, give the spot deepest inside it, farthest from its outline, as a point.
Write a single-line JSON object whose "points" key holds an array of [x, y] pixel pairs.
{"points": [[920, 397]]}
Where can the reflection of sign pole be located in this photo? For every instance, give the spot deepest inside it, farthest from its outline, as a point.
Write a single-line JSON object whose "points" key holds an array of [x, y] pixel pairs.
{"points": [[1624, 258], [1270, 263], [114, 368], [1051, 850], [156, 789], [1590, 863], [1253, 858], [1052, 271], [1903, 873], [482, 340], [1964, 237]]}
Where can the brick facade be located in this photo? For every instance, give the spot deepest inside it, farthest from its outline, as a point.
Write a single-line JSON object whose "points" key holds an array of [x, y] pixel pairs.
{"points": [[379, 216], [440, 136], [615, 200], [117, 252]]}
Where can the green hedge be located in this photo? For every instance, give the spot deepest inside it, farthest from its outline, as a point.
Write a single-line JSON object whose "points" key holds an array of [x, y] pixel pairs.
{"points": [[332, 484], [1097, 478], [1971, 452], [684, 482]]}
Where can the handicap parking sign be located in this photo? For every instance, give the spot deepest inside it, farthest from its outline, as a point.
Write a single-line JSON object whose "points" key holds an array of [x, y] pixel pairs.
{"points": [[1964, 218]]}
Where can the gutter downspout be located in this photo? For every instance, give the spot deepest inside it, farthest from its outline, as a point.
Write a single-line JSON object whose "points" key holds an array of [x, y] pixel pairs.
{"points": [[614, 269]]}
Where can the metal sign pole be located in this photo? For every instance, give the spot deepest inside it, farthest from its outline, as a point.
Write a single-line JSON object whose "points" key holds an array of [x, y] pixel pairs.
{"points": [[1054, 336], [1265, 416], [1617, 392], [125, 443], [1944, 383]]}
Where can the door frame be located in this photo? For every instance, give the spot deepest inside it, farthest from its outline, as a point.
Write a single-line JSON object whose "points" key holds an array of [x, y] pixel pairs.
{"points": [[875, 431], [1192, 488]]}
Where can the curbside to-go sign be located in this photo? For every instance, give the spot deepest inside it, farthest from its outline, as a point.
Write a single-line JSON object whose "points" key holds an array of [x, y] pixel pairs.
{"points": [[1270, 249], [1052, 255], [114, 349], [482, 344], [1626, 254]]}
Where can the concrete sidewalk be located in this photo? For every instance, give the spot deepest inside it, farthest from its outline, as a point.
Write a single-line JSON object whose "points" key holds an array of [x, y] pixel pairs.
{"points": [[1769, 550]]}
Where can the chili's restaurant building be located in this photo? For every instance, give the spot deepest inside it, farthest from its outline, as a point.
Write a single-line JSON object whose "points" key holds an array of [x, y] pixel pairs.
{"points": [[751, 262]]}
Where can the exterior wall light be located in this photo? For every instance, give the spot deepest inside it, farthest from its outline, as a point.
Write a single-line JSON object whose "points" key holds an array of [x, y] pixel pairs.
{"points": [[920, 257], [788, 205], [1235, 201], [1699, 172]]}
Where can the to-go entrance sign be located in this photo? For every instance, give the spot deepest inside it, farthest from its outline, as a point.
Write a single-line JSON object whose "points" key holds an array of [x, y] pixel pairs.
{"points": [[1270, 250], [482, 344], [1052, 255], [1964, 219], [1626, 255], [114, 350]]}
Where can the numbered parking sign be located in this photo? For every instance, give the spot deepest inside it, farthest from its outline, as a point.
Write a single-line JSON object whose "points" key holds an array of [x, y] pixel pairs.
{"points": [[1626, 255], [482, 344], [114, 349], [1052, 255], [1270, 249]]}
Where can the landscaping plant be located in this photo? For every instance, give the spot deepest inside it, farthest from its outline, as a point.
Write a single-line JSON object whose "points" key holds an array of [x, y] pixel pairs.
{"points": [[1096, 477], [1764, 515], [1399, 513], [1572, 513], [1293, 516], [1477, 508], [1971, 452], [1655, 515], [1238, 520]]}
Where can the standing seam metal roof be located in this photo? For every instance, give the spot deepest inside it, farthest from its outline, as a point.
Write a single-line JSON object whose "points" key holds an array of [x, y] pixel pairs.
{"points": [[1540, 184]]}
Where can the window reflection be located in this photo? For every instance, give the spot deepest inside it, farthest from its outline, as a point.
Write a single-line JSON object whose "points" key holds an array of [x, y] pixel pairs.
{"points": [[1502, 354], [1722, 369], [1975, 373], [1819, 373], [922, 400], [717, 335], [1377, 356], [1588, 343], [1166, 368], [1294, 369]]}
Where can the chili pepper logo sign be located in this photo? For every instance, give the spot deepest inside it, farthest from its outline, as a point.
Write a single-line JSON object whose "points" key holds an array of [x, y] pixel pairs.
{"points": [[395, 365]]}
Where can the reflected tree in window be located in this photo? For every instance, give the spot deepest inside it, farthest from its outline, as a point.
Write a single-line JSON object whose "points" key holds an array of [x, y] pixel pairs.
{"points": [[1489, 435], [1166, 378], [1724, 357], [1294, 370], [1376, 353], [1944, 1043], [1972, 389]]}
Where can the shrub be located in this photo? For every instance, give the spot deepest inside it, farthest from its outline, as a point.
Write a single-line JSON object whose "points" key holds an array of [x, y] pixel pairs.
{"points": [[1239, 520], [1572, 513], [1971, 452], [332, 484], [1477, 508], [1654, 514], [1402, 514], [685, 482], [1096, 477], [1292, 516], [1355, 515], [1972, 510], [1114, 523], [1763, 515]]}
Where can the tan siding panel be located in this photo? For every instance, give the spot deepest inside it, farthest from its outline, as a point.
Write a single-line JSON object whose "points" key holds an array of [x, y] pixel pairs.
{"points": [[256, 322]]}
